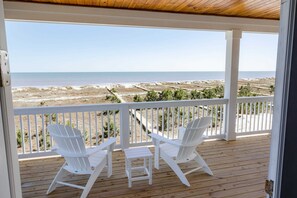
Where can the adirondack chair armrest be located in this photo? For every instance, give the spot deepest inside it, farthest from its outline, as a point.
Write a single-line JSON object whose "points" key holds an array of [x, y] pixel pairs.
{"points": [[108, 145], [159, 138]]}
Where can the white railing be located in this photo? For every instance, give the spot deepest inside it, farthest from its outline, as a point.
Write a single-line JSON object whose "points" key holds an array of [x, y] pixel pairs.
{"points": [[254, 115], [130, 123]]}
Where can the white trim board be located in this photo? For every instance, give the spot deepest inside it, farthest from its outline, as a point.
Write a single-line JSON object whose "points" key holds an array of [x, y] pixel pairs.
{"points": [[7, 133], [107, 16]]}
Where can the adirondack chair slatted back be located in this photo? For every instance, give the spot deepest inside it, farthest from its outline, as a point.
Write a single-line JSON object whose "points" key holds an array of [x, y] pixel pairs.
{"points": [[70, 145], [192, 137]]}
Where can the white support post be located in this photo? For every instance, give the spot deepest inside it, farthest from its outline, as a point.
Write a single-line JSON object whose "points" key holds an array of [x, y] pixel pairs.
{"points": [[11, 186], [124, 127], [231, 77]]}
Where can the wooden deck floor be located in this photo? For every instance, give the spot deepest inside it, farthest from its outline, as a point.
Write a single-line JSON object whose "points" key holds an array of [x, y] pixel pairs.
{"points": [[240, 169]]}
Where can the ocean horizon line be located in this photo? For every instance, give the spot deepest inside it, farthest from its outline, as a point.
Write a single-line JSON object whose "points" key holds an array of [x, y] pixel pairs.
{"points": [[46, 79], [134, 72]]}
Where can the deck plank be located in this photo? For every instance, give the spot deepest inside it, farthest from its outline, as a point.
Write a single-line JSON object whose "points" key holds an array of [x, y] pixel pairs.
{"points": [[240, 168]]}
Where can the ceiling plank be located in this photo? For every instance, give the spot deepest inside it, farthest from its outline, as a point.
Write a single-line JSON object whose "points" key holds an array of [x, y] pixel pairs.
{"points": [[232, 8], [124, 17]]}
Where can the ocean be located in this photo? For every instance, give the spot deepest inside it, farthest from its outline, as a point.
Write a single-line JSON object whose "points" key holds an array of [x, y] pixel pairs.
{"points": [[108, 78]]}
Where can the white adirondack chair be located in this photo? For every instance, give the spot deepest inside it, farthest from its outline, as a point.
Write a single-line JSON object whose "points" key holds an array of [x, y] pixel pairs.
{"points": [[79, 160], [183, 150]]}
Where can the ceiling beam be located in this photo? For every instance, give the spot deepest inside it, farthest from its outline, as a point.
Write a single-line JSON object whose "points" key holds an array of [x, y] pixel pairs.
{"points": [[123, 17]]}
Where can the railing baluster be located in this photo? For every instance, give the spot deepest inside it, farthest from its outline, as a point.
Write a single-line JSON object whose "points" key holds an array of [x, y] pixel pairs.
{"points": [[23, 135], [102, 126], [163, 122], [178, 117], [43, 133], [183, 116], [37, 135], [152, 119], [262, 124], [237, 117], [202, 111], [131, 125], [114, 123], [135, 129], [173, 113], [84, 129], [108, 123], [207, 130], [246, 116], [157, 122], [146, 124], [96, 127], [188, 117], [241, 130], [168, 120], [270, 115], [140, 125], [258, 124], [50, 122], [250, 125], [216, 118], [29, 133], [266, 116], [255, 109], [221, 115], [90, 128], [211, 124]]}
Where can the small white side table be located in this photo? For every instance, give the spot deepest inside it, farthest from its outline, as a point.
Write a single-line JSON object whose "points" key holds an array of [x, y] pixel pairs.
{"points": [[138, 153]]}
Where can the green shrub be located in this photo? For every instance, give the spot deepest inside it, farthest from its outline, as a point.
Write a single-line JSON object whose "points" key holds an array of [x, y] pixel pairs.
{"points": [[180, 94], [19, 138], [271, 89], [194, 94], [245, 91], [209, 93], [165, 95], [219, 90], [151, 96], [113, 130], [137, 98], [112, 98]]}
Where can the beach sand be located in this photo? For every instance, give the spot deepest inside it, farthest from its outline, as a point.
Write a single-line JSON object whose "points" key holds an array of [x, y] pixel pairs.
{"points": [[61, 96]]}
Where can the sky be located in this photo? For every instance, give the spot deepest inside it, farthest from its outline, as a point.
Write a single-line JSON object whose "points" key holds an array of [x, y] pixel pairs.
{"points": [[48, 47]]}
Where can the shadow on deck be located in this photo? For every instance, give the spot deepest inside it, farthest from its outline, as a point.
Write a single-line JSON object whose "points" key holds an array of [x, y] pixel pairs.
{"points": [[240, 168]]}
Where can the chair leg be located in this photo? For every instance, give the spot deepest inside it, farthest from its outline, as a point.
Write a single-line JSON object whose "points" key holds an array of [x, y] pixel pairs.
{"points": [[109, 164], [92, 180], [173, 165], [157, 155], [203, 164], [62, 172]]}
